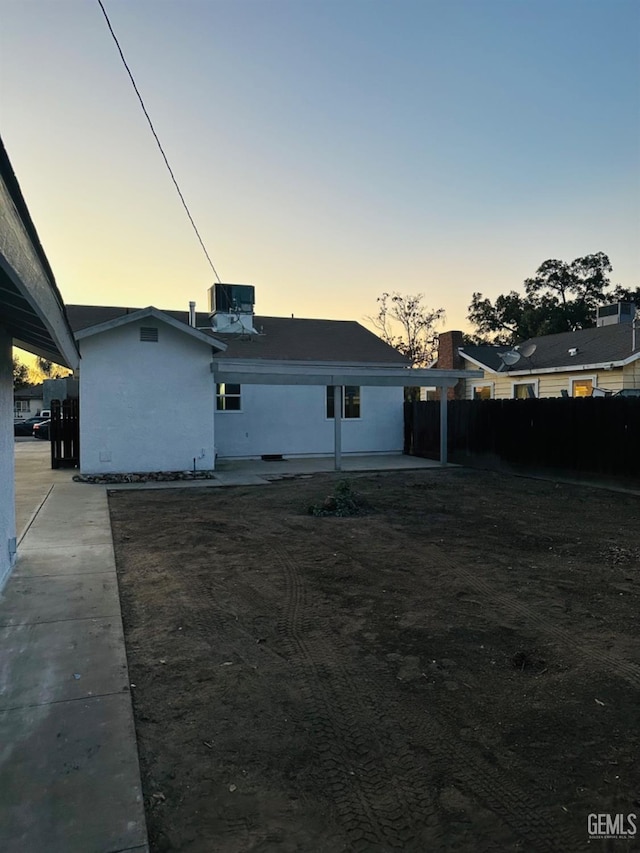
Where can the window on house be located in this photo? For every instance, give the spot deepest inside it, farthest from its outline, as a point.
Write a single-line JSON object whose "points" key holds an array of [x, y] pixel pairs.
{"points": [[482, 392], [227, 397], [350, 401], [581, 387], [524, 390], [149, 334], [21, 406]]}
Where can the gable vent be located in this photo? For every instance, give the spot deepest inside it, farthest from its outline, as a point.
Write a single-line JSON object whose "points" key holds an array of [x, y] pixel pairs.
{"points": [[148, 333]]}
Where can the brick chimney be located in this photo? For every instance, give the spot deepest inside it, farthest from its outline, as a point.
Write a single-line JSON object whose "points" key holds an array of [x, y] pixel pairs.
{"points": [[449, 359]]}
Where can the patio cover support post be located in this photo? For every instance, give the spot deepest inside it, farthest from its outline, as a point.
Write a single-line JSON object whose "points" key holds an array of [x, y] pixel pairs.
{"points": [[337, 426], [443, 424]]}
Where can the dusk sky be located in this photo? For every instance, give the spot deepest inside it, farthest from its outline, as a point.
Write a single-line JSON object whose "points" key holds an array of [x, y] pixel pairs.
{"points": [[329, 151]]}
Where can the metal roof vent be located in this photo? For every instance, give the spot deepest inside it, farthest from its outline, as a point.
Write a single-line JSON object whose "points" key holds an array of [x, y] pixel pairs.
{"points": [[573, 351], [149, 334]]}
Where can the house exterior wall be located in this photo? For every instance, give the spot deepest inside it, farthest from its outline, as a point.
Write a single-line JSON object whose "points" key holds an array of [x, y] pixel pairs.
{"points": [[291, 420], [7, 487], [145, 406], [631, 375], [28, 406], [58, 389], [552, 384]]}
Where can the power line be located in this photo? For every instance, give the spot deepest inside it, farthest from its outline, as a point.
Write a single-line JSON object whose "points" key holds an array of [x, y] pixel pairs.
{"points": [[144, 110]]}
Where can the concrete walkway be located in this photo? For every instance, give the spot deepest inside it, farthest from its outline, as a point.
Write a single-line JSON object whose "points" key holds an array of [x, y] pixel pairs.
{"points": [[69, 776]]}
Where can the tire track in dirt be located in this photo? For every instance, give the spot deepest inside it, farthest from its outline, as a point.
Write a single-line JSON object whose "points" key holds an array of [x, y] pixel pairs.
{"points": [[491, 786], [510, 606], [628, 671], [375, 814], [488, 785], [211, 621]]}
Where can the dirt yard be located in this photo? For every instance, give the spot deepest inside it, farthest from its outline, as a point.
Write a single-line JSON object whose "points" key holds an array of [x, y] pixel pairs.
{"points": [[456, 670]]}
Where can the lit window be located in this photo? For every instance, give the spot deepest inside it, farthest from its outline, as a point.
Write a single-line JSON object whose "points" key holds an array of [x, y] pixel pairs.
{"points": [[482, 392], [350, 401], [581, 387], [227, 397], [524, 390]]}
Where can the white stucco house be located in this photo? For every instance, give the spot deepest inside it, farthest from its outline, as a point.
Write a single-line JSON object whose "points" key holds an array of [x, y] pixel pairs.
{"points": [[32, 317], [174, 390]]}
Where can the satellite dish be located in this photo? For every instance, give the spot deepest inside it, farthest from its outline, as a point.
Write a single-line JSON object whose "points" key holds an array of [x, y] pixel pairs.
{"points": [[509, 358], [527, 350]]}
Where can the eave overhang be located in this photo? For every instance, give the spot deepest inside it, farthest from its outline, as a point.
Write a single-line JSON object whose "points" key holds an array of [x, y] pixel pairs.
{"points": [[31, 307]]}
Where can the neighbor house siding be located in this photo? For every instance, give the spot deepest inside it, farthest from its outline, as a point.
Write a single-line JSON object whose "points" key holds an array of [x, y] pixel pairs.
{"points": [[145, 406], [292, 420], [552, 384], [7, 487], [632, 374]]}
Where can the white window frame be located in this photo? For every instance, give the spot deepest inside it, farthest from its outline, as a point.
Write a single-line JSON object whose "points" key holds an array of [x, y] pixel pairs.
{"points": [[344, 401], [490, 385], [528, 381], [19, 407], [224, 396], [581, 377]]}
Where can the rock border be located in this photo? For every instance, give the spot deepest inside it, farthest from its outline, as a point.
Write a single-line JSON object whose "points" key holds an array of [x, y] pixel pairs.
{"points": [[144, 477]]}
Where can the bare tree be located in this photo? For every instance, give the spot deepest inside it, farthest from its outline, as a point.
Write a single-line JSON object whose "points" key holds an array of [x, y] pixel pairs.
{"points": [[409, 326]]}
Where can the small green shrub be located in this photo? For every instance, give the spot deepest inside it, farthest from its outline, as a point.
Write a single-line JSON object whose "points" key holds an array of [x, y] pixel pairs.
{"points": [[343, 502]]}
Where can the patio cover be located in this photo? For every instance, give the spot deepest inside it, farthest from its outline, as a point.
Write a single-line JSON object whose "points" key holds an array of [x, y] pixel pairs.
{"points": [[245, 372]]}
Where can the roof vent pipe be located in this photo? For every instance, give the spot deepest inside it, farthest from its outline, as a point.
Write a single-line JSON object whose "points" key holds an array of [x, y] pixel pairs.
{"points": [[192, 314]]}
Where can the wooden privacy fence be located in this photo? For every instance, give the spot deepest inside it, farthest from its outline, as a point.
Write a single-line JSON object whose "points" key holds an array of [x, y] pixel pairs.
{"points": [[64, 433], [590, 434]]}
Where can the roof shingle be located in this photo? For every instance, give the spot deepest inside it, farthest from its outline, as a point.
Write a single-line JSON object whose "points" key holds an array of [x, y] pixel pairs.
{"points": [[280, 338], [598, 345]]}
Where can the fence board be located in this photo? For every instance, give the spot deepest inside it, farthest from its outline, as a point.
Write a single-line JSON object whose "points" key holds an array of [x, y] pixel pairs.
{"points": [[587, 435]]}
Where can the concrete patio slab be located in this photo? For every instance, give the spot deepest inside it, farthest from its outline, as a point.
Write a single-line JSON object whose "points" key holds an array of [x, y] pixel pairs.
{"points": [[83, 659], [52, 598], [257, 472], [68, 778]]}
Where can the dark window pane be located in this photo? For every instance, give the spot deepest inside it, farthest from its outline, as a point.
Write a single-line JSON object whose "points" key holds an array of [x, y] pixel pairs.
{"points": [[330, 401], [228, 404], [352, 401]]}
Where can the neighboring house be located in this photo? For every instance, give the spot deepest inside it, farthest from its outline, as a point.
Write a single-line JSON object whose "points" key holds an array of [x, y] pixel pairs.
{"points": [[27, 401], [32, 317], [601, 360]]}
